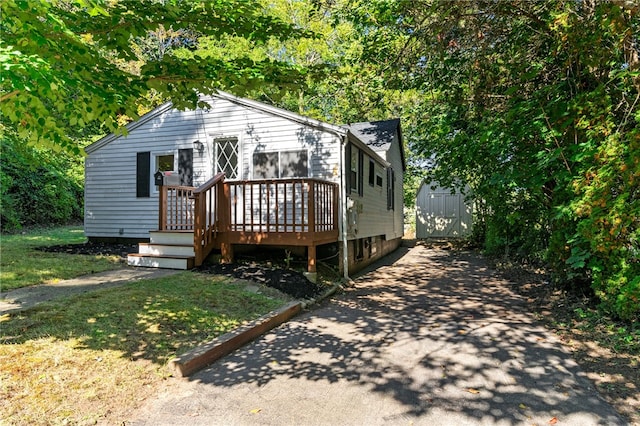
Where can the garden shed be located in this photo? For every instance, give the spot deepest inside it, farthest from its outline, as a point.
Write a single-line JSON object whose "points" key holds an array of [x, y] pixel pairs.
{"points": [[442, 212]]}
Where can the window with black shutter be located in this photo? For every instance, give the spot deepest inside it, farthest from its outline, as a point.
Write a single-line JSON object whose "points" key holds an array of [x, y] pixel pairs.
{"points": [[391, 178]]}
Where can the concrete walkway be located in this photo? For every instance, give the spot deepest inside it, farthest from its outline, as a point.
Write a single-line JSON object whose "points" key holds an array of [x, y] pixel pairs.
{"points": [[28, 297], [429, 338]]}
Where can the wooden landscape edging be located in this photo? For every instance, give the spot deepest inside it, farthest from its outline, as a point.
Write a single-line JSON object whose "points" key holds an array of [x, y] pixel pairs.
{"points": [[202, 356]]}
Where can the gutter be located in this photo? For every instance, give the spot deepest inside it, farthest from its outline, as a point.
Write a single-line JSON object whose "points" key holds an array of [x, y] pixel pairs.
{"points": [[343, 199]]}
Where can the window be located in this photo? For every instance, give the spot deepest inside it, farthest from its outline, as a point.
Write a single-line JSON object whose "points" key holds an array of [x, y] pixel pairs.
{"points": [[353, 168], [378, 179], [273, 165], [372, 172], [265, 165], [356, 162], [164, 162], [294, 164], [226, 157]]}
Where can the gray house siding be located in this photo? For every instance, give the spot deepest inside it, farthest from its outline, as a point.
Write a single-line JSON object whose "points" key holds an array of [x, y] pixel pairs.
{"points": [[112, 209], [375, 216], [115, 209]]}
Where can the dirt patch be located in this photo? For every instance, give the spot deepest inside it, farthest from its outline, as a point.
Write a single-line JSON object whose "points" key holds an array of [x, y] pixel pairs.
{"points": [[93, 249], [287, 281]]}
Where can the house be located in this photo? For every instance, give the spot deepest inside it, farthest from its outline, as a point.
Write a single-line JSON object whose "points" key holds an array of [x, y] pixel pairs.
{"points": [[443, 212], [242, 172]]}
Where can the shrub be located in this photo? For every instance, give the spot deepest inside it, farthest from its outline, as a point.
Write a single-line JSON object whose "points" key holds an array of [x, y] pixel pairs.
{"points": [[39, 187]]}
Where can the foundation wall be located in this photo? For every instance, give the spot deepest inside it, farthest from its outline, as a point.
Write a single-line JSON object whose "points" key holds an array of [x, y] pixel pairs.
{"points": [[364, 251]]}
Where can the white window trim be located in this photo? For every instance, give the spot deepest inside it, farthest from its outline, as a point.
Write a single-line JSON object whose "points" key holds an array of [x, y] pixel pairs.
{"points": [[154, 169], [279, 166], [214, 153]]}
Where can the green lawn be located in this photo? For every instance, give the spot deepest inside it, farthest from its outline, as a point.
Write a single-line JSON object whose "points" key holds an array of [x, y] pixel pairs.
{"points": [[22, 265], [95, 357]]}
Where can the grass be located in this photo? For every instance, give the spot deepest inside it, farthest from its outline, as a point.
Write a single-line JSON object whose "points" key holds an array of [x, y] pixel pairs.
{"points": [[96, 356], [22, 265]]}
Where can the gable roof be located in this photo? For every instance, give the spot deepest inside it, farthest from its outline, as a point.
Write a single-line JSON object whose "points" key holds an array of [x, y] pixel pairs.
{"points": [[259, 106], [129, 127], [379, 135]]}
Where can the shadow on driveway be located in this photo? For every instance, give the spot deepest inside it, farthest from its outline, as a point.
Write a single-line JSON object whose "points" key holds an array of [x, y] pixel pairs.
{"points": [[428, 337]]}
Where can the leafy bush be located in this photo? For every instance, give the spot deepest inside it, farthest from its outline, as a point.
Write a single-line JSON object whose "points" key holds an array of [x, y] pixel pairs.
{"points": [[38, 186]]}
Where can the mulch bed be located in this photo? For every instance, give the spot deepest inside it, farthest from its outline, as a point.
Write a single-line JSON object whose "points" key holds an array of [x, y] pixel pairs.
{"points": [[93, 249], [287, 281]]}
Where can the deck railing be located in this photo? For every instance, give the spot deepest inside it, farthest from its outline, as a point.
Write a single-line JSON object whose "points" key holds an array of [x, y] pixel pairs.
{"points": [[297, 205], [296, 211], [176, 208], [210, 216]]}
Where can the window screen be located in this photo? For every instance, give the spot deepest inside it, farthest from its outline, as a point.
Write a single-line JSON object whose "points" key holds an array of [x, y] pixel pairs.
{"points": [[294, 164], [286, 164], [164, 162], [265, 165]]}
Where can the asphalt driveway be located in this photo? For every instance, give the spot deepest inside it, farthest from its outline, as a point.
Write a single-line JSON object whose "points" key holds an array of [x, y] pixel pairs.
{"points": [[429, 337]]}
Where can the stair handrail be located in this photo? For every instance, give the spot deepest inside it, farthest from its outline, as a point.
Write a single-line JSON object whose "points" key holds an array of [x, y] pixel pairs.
{"points": [[209, 215], [209, 184]]}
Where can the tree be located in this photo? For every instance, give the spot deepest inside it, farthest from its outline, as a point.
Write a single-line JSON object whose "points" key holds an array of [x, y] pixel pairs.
{"points": [[69, 64], [536, 105]]}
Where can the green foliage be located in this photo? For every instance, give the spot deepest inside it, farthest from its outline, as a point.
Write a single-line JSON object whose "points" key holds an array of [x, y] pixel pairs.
{"points": [[535, 106], [73, 64], [39, 187]]}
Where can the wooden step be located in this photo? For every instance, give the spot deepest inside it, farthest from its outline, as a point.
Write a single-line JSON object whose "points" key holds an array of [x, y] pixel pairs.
{"points": [[184, 238], [166, 249], [161, 261]]}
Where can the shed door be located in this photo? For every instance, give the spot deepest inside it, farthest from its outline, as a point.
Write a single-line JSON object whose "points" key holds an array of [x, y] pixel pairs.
{"points": [[441, 214]]}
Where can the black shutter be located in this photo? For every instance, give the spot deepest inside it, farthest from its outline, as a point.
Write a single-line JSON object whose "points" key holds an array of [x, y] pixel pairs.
{"points": [[185, 166], [143, 169], [360, 173], [390, 179]]}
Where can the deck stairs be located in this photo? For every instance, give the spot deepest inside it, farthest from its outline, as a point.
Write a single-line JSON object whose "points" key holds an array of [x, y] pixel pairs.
{"points": [[166, 250]]}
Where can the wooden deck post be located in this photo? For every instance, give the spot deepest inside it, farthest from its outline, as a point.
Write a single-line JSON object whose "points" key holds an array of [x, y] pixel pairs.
{"points": [[224, 206], [198, 228], [311, 212], [311, 258], [162, 208]]}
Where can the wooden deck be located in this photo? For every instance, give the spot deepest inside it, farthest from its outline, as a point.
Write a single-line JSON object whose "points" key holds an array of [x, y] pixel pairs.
{"points": [[289, 212]]}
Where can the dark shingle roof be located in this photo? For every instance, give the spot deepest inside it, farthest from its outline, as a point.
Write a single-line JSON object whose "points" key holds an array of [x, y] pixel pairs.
{"points": [[379, 135], [376, 134]]}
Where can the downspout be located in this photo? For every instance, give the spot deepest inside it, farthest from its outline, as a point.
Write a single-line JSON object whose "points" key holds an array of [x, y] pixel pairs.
{"points": [[343, 204]]}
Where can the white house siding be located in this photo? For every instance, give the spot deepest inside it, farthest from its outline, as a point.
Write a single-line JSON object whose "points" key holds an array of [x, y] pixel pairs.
{"points": [[372, 216], [112, 209], [262, 132]]}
